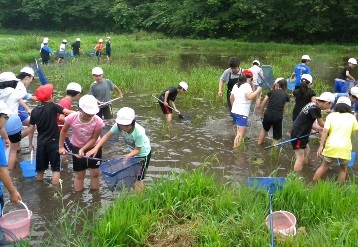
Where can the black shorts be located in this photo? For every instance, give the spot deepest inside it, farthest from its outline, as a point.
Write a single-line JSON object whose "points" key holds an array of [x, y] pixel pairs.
{"points": [[108, 53], [81, 164], [45, 154], [165, 109], [15, 137], [105, 112], [276, 124], [300, 143], [143, 169], [98, 54]]}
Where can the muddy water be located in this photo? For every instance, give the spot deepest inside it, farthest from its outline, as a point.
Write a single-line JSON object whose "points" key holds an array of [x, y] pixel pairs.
{"points": [[205, 139]]}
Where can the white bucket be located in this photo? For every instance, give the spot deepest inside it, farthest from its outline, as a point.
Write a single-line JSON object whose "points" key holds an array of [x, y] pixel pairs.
{"points": [[283, 222]]}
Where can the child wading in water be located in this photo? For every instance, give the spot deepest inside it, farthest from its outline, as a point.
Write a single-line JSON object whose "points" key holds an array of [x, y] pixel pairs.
{"points": [[277, 101], [303, 124], [336, 143], [86, 129], [241, 97], [134, 136]]}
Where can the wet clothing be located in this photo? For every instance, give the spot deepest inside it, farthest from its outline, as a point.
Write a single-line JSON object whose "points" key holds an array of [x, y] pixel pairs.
{"points": [[304, 121], [299, 70], [76, 48], [230, 79], [340, 127], [173, 92], [301, 101]]}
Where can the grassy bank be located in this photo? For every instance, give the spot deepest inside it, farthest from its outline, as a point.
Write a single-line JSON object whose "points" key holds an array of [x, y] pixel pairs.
{"points": [[193, 209]]}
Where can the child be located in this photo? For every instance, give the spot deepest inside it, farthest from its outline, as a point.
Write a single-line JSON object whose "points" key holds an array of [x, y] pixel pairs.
{"points": [[167, 98], [62, 51], [336, 143], [76, 47], [86, 129], [303, 124], [258, 78], [73, 93], [230, 77], [303, 95], [45, 54], [101, 89], [99, 48], [108, 49], [301, 69], [44, 116], [134, 136], [277, 101], [345, 74], [240, 98], [26, 76], [5, 178]]}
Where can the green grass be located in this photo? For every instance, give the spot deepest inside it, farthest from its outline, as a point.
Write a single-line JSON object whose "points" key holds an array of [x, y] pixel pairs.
{"points": [[194, 209]]}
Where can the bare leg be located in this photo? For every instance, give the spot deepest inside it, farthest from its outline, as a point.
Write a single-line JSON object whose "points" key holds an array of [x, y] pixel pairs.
{"points": [[40, 176], [138, 187], [239, 135], [94, 173], [169, 117], [262, 137], [342, 173], [79, 180], [300, 156], [307, 153], [321, 170], [13, 155], [55, 178]]}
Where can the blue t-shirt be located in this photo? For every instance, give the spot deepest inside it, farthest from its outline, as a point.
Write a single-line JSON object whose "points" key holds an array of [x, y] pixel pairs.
{"points": [[3, 161], [299, 70]]}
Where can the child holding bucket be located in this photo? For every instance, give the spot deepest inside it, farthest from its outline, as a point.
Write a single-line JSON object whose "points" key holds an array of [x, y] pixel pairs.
{"points": [[44, 116], [336, 143], [135, 137], [86, 129], [302, 126], [5, 178]]}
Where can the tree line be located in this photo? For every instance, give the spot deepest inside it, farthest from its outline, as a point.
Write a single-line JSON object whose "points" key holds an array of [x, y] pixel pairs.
{"points": [[302, 21]]}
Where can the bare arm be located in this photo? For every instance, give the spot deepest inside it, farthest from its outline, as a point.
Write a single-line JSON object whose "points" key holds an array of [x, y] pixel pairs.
{"points": [[31, 136], [5, 137], [61, 142], [165, 100], [348, 75], [119, 92], [220, 92], [15, 196], [232, 99], [133, 153], [23, 104], [90, 142], [322, 142], [320, 122], [263, 104], [251, 96], [103, 140]]}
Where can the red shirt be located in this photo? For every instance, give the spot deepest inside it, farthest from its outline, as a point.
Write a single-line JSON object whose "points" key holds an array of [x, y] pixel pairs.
{"points": [[99, 47], [65, 103]]}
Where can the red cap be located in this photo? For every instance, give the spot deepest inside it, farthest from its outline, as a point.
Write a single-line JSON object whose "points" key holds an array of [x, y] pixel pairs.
{"points": [[44, 92], [248, 73]]}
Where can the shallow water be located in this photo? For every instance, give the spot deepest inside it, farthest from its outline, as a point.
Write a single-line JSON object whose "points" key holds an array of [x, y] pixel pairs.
{"points": [[205, 139]]}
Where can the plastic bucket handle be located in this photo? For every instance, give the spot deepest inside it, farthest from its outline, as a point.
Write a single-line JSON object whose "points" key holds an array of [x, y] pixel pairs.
{"points": [[32, 155], [23, 204], [283, 232]]}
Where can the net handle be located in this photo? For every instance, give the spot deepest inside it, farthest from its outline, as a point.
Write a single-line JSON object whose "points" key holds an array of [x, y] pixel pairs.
{"points": [[23, 204]]}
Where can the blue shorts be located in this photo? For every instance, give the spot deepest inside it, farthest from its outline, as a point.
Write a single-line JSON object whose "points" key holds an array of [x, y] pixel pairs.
{"points": [[240, 120], [340, 86], [22, 113], [48, 153], [98, 54]]}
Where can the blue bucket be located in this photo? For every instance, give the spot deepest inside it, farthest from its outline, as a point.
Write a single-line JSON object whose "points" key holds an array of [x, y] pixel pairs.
{"points": [[28, 168], [353, 157]]}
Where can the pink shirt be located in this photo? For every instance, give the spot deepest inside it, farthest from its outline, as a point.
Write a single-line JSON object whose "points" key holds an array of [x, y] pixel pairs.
{"points": [[83, 132]]}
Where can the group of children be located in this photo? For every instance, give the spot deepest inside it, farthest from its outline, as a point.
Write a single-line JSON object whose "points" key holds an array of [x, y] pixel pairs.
{"points": [[46, 52], [335, 142], [53, 121]]}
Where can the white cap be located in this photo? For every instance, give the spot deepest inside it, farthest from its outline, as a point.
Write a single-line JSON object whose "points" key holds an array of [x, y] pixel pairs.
{"points": [[279, 79], [100, 40], [344, 100], [184, 85], [78, 39], [354, 91], [256, 61], [352, 60], [108, 37], [74, 86], [8, 76], [4, 109], [306, 57], [308, 77], [28, 70], [64, 41], [125, 116], [97, 71], [88, 104], [45, 40], [327, 96]]}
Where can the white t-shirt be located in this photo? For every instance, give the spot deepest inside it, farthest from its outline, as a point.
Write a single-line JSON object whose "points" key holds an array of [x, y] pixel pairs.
{"points": [[241, 104], [62, 47], [256, 70]]}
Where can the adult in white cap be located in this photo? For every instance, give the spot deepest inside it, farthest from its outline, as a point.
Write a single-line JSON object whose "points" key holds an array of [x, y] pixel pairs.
{"points": [[337, 146], [99, 48], [302, 126], [62, 51], [86, 129], [258, 78], [167, 98], [5, 178], [108, 49], [11, 93], [341, 82], [134, 135], [76, 48], [300, 69], [303, 95]]}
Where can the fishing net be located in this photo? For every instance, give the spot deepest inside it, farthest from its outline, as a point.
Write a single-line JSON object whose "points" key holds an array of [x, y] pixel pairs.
{"points": [[268, 73], [121, 173]]}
